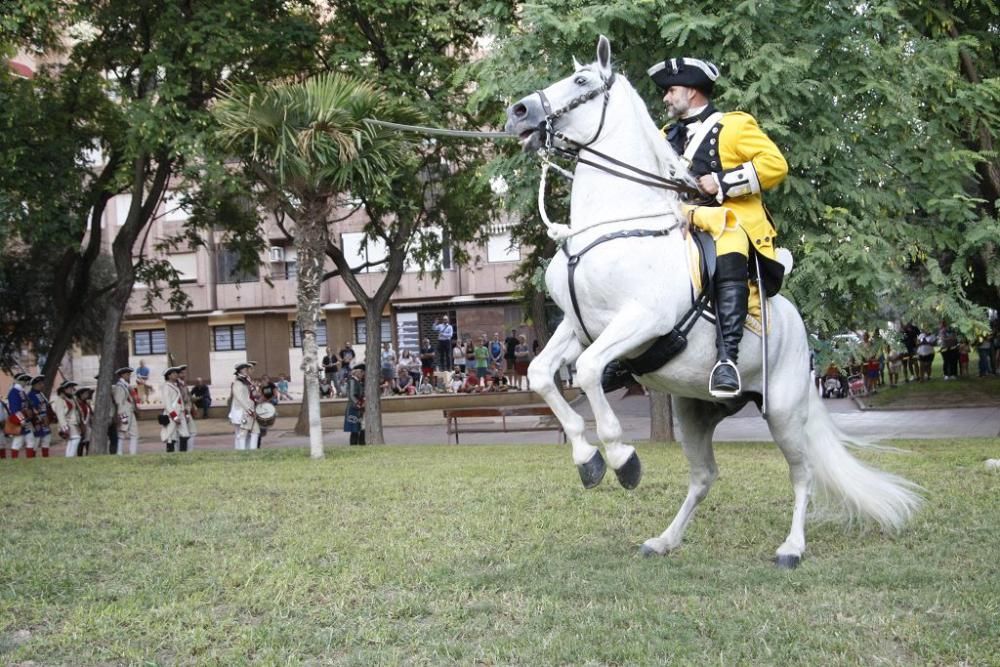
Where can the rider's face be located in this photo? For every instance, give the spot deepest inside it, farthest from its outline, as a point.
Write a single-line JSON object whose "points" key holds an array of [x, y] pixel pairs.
{"points": [[677, 100]]}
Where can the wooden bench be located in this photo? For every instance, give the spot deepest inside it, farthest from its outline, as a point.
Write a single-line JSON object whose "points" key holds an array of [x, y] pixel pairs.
{"points": [[453, 416]]}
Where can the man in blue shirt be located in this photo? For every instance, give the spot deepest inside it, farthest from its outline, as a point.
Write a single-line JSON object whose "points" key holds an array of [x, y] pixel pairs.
{"points": [[445, 332]]}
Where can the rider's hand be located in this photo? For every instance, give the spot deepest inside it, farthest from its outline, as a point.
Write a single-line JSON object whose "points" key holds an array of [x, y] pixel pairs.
{"points": [[708, 184]]}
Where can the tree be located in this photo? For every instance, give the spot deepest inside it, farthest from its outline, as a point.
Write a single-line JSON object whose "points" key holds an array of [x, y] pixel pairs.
{"points": [[880, 207], [416, 51], [134, 84], [309, 145]]}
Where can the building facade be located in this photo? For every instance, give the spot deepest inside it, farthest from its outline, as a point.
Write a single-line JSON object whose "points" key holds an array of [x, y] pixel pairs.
{"points": [[250, 315]]}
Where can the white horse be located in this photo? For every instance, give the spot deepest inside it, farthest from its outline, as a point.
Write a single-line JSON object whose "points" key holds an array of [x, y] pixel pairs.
{"points": [[632, 290]]}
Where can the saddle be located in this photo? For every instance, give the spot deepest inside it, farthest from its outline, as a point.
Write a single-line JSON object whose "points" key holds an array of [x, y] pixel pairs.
{"points": [[702, 259]]}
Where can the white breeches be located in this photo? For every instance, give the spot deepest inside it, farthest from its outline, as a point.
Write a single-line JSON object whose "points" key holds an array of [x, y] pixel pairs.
{"points": [[18, 441], [72, 444]]}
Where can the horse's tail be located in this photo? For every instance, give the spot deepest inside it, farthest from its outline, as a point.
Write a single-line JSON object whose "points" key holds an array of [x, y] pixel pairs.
{"points": [[847, 486]]}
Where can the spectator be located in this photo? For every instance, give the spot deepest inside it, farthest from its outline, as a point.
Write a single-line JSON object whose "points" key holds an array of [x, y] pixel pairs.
{"points": [[871, 375], [470, 385], [948, 340], [482, 359], [457, 380], [522, 357], [510, 345], [496, 352], [346, 355], [143, 389], [388, 363], [202, 397], [283, 394], [470, 355], [329, 364], [404, 384], [427, 358], [445, 332], [354, 416], [458, 356], [268, 390], [911, 367], [925, 355], [985, 349], [895, 365], [963, 357]]}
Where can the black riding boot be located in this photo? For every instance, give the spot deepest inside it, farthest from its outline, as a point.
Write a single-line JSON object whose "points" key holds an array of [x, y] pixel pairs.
{"points": [[731, 310]]}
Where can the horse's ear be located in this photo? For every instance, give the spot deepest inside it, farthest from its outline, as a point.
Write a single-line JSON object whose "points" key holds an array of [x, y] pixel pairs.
{"points": [[604, 54], [576, 64]]}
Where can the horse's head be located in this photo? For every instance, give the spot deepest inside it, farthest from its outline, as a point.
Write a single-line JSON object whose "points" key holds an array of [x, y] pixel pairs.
{"points": [[575, 106]]}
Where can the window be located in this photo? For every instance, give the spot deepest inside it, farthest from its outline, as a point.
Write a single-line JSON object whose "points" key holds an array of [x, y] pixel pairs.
{"points": [[186, 265], [229, 337], [149, 341], [361, 330], [291, 264], [500, 249], [171, 208], [228, 271], [357, 252], [320, 334]]}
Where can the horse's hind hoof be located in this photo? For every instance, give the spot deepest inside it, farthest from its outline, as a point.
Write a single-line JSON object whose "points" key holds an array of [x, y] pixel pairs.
{"points": [[648, 551], [630, 473], [787, 562], [592, 472]]}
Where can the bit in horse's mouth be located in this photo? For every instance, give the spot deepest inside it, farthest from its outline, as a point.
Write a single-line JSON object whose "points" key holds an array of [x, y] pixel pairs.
{"points": [[527, 134]]}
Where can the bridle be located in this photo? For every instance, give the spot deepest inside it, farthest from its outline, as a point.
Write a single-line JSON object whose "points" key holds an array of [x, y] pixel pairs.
{"points": [[547, 128], [547, 125]]}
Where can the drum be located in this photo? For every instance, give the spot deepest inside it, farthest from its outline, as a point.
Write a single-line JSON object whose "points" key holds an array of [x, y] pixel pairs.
{"points": [[266, 414]]}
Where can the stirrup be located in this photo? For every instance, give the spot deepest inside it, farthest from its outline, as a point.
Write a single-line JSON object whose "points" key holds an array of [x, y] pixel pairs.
{"points": [[727, 393]]}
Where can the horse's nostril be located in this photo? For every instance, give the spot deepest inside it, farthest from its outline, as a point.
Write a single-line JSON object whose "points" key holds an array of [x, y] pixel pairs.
{"points": [[520, 110]]}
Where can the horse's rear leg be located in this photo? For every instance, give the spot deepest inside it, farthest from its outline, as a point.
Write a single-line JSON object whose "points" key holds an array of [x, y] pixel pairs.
{"points": [[697, 420], [631, 327], [563, 348]]}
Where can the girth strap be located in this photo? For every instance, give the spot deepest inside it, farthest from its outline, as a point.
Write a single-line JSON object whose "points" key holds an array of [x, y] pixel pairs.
{"points": [[574, 259]]}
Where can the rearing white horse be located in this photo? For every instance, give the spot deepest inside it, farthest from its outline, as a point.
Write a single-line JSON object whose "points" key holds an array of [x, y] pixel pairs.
{"points": [[631, 289]]}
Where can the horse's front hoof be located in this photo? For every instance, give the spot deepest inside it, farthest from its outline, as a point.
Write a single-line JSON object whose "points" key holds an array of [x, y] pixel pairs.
{"points": [[630, 473], [592, 472], [647, 551], [787, 561]]}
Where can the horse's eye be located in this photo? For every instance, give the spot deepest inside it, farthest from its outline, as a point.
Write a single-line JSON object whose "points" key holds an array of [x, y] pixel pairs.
{"points": [[580, 80]]}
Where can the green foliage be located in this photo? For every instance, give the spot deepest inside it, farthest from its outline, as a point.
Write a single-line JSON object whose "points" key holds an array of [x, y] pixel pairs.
{"points": [[882, 207]]}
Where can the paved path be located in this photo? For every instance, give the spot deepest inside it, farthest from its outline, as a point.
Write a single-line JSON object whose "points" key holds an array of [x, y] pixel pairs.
{"points": [[416, 428]]}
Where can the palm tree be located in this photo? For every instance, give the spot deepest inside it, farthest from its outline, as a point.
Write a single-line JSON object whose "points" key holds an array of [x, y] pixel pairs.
{"points": [[307, 143]]}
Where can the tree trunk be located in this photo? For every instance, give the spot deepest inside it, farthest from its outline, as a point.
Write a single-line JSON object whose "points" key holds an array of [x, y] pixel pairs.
{"points": [[310, 243], [661, 412], [373, 373], [103, 405]]}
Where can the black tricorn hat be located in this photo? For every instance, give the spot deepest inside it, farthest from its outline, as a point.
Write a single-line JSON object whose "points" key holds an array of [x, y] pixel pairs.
{"points": [[690, 72]]}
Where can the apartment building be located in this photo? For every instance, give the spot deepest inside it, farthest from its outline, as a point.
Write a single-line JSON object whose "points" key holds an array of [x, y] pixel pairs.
{"points": [[250, 315]]}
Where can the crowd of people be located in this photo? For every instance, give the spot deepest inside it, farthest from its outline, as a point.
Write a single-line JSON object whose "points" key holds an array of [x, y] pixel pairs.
{"points": [[875, 363], [30, 418]]}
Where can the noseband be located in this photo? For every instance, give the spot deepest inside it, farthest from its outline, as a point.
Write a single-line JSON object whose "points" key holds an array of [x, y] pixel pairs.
{"points": [[548, 123]]}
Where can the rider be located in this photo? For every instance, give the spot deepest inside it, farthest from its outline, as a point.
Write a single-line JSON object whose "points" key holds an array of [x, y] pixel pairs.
{"points": [[733, 161]]}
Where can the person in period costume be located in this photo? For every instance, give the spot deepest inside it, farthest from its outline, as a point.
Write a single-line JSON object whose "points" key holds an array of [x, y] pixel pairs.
{"points": [[243, 414], [20, 416], [4, 413], [83, 396], [67, 412], [42, 424], [186, 442], [354, 417], [125, 417], [173, 424], [733, 161]]}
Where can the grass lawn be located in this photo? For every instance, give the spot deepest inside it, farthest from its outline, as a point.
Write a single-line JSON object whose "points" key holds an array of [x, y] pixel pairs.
{"points": [[481, 555], [938, 393]]}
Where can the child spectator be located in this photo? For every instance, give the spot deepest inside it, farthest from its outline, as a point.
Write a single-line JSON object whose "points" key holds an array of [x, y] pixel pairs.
{"points": [[427, 354], [895, 365], [482, 359], [283, 394], [963, 358]]}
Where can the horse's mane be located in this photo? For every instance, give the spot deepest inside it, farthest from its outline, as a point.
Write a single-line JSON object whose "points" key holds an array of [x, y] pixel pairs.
{"points": [[667, 160]]}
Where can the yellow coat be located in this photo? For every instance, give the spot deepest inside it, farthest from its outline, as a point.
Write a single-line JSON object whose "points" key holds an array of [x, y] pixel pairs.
{"points": [[741, 141]]}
